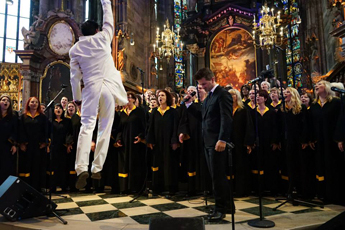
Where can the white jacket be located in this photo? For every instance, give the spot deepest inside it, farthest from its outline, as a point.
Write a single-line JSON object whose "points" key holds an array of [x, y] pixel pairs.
{"points": [[91, 60]]}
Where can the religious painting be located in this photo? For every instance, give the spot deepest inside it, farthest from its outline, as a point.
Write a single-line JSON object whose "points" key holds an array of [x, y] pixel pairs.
{"points": [[232, 57], [10, 83], [56, 75]]}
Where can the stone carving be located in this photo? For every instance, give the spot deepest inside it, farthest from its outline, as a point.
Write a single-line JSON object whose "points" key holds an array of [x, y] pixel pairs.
{"points": [[62, 14], [193, 48], [39, 21], [338, 18], [120, 59], [31, 37]]}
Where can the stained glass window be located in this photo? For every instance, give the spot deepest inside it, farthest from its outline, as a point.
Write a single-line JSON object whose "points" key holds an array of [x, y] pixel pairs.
{"points": [[293, 56], [179, 68], [13, 18]]}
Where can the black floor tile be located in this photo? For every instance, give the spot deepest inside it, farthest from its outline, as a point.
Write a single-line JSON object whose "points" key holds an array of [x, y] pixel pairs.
{"points": [[145, 219], [265, 211], [105, 215], [168, 207], [62, 200], [128, 205], [90, 203], [263, 200], [68, 212]]}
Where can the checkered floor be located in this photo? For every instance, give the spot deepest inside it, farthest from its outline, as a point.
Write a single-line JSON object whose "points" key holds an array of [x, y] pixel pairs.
{"points": [[116, 208]]}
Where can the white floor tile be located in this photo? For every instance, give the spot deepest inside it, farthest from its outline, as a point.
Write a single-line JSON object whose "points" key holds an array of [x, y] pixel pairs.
{"points": [[98, 208], [67, 205], [156, 201], [118, 199], [139, 211], [86, 198], [195, 203], [185, 212]]}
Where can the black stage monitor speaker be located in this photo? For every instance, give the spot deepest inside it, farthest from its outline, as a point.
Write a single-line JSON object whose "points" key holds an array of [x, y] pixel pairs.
{"points": [[194, 223], [18, 200], [337, 223]]}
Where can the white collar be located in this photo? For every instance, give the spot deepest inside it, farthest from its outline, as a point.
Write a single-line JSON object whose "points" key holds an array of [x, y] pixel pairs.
{"points": [[212, 90]]}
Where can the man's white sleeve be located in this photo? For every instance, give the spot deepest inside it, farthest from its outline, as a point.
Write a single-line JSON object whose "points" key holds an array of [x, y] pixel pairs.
{"points": [[76, 77], [108, 20]]}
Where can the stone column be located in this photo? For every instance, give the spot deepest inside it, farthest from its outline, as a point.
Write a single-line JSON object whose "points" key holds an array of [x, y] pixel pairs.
{"points": [[31, 72], [26, 93], [44, 8]]}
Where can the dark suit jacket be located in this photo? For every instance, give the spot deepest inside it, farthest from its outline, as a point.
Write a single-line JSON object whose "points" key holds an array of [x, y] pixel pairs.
{"points": [[216, 117]]}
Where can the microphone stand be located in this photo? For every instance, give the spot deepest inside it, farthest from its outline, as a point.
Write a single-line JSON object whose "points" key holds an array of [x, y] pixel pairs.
{"points": [[261, 222], [147, 190], [289, 198], [50, 124], [230, 146]]}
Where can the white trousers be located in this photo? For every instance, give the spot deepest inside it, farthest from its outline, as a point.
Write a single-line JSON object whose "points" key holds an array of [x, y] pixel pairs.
{"points": [[106, 111]]}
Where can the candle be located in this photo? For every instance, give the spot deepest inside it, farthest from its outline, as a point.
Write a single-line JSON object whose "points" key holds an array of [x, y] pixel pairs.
{"points": [[154, 47]]}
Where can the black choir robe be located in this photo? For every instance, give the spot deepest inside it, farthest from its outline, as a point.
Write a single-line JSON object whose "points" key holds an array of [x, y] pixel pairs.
{"points": [[263, 161], [60, 139], [242, 135], [293, 133], [330, 163], [131, 157], [8, 138], [199, 178], [75, 128], [33, 162], [162, 134]]}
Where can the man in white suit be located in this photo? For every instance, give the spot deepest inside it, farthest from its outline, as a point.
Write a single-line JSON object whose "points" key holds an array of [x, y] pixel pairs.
{"points": [[91, 60]]}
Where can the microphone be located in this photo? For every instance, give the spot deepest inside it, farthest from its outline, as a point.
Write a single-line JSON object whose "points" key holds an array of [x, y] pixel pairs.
{"points": [[140, 70], [187, 99], [335, 89], [63, 86], [254, 80]]}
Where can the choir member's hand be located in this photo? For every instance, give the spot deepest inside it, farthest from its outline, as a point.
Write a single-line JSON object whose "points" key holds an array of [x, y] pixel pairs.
{"points": [[175, 146], [23, 147], [150, 146], [304, 146], [312, 145], [69, 148], [93, 146], [48, 149], [13, 150], [220, 146], [249, 149], [118, 144], [181, 138], [137, 140], [341, 146], [42, 145]]}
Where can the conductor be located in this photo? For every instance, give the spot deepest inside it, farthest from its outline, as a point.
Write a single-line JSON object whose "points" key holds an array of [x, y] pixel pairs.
{"points": [[92, 62]]}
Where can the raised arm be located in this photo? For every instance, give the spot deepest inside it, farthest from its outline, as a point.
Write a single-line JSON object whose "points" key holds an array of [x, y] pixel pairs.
{"points": [[108, 20]]}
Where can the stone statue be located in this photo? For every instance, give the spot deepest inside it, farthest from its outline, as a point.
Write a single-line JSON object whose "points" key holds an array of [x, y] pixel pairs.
{"points": [[120, 60], [338, 18], [39, 21], [153, 70], [31, 37], [314, 54], [52, 12]]}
